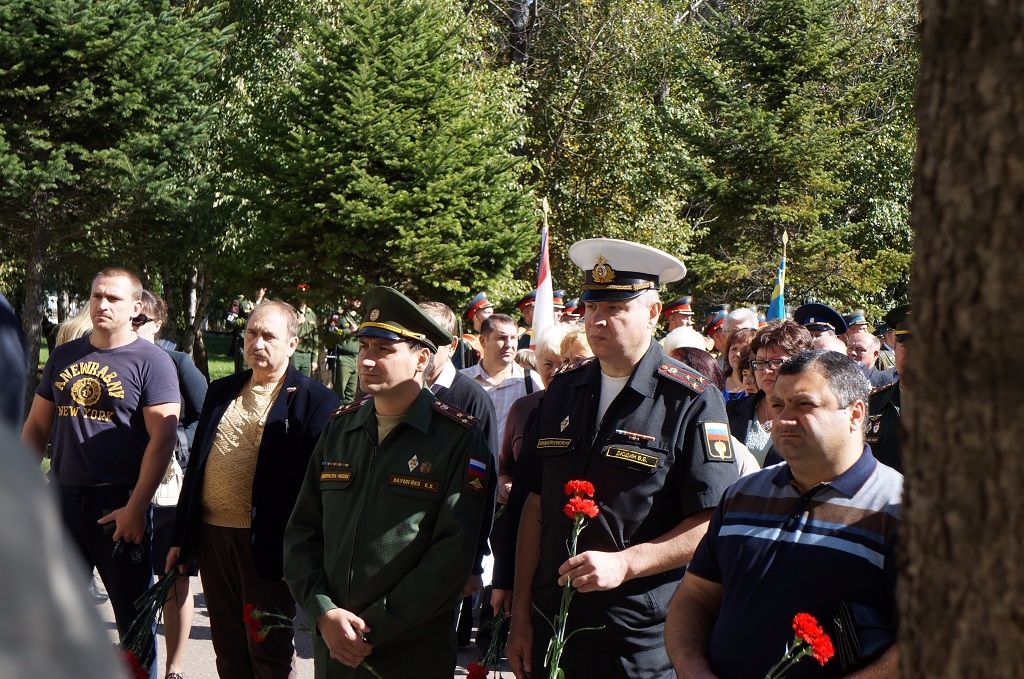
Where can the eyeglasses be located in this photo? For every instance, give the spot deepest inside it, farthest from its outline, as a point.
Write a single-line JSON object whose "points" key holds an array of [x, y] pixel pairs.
{"points": [[773, 363], [902, 339], [141, 320]]}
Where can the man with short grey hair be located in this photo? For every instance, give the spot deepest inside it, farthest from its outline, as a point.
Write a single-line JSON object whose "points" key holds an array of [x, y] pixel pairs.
{"points": [[256, 433], [863, 347], [736, 319]]}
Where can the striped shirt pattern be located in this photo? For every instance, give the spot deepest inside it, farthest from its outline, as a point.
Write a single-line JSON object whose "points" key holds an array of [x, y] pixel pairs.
{"points": [[778, 551]]}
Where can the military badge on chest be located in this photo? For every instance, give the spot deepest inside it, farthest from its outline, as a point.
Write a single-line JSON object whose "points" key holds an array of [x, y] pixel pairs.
{"points": [[874, 428]]}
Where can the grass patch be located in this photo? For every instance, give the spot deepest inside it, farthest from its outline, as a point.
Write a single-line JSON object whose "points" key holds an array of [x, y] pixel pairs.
{"points": [[217, 345]]}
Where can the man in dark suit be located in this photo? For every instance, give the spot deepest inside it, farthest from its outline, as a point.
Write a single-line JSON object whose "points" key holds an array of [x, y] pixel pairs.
{"points": [[454, 388], [256, 434]]}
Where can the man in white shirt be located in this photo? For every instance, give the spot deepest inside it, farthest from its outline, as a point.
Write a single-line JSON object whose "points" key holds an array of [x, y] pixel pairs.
{"points": [[497, 372]]}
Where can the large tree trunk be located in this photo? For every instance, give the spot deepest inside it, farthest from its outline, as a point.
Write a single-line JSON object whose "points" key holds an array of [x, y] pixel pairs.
{"points": [[962, 582], [32, 315]]}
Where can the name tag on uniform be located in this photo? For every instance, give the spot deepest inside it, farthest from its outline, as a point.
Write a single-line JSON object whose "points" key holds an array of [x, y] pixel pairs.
{"points": [[717, 444], [414, 482], [334, 475], [635, 456], [554, 443]]}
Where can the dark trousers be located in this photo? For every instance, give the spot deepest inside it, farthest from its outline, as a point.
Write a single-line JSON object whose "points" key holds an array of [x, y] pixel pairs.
{"points": [[126, 570], [229, 583], [583, 660]]}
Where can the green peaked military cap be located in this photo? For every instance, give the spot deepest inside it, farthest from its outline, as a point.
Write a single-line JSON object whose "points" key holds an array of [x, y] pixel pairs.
{"points": [[389, 314], [899, 319]]}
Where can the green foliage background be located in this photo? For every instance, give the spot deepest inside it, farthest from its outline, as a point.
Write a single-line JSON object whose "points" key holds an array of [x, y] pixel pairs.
{"points": [[409, 142]]}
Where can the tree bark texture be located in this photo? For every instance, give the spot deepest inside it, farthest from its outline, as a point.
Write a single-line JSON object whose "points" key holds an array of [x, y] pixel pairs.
{"points": [[32, 315], [198, 301], [961, 592]]}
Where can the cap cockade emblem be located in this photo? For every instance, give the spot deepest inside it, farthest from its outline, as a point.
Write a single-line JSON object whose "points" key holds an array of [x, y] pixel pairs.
{"points": [[602, 271]]}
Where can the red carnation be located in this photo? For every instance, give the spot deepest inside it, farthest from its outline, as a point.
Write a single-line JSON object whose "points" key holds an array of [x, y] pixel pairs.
{"points": [[578, 488], [475, 671], [806, 627], [579, 505], [258, 633], [247, 613], [135, 667], [822, 648]]}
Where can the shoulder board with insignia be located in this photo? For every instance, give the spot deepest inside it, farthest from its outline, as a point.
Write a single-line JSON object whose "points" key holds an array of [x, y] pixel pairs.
{"points": [[349, 407], [696, 382], [878, 390], [450, 411], [569, 367]]}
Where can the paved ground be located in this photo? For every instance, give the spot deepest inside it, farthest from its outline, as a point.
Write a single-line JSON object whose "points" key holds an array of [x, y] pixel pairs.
{"points": [[199, 657]]}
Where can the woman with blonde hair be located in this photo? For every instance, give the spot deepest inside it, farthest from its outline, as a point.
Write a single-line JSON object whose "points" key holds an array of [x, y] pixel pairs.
{"points": [[76, 326]]}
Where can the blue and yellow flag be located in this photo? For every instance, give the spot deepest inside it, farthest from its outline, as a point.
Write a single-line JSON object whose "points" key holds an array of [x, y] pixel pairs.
{"points": [[777, 307]]}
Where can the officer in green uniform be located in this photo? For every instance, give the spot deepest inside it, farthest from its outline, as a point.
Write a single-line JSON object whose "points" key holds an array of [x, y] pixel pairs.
{"points": [[304, 358], [386, 527], [883, 427], [345, 347]]}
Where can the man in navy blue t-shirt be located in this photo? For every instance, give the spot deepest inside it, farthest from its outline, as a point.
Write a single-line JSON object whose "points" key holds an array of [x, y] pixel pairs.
{"points": [[108, 406], [816, 534]]}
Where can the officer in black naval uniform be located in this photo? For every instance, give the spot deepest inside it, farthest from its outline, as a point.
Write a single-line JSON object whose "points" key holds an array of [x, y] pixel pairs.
{"points": [[651, 435], [883, 427]]}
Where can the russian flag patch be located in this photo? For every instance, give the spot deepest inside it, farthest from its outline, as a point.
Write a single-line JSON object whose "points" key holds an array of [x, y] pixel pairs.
{"points": [[717, 444], [477, 468]]}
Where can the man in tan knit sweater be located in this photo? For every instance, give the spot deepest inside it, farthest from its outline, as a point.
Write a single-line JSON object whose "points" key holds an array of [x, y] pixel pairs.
{"points": [[256, 433]]}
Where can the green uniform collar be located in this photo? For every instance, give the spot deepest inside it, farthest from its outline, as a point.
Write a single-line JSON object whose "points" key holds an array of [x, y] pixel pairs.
{"points": [[418, 416]]}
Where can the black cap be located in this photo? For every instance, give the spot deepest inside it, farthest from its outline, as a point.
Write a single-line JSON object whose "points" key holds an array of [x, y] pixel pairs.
{"points": [[389, 314], [899, 320], [820, 317]]}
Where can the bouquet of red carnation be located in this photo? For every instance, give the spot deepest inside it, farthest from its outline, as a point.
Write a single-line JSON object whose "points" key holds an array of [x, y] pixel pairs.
{"points": [[260, 622], [478, 670], [809, 639], [137, 645], [578, 508]]}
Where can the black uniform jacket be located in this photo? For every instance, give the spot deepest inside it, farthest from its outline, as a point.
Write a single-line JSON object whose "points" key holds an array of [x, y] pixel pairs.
{"points": [[883, 427], [302, 408], [661, 453]]}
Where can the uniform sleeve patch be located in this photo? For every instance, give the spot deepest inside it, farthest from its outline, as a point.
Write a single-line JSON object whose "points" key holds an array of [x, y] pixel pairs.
{"points": [[476, 476], [683, 376], [453, 413], [717, 442]]}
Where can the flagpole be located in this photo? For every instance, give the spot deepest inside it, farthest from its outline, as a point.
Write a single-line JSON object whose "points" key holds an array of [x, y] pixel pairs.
{"points": [[544, 305], [777, 305]]}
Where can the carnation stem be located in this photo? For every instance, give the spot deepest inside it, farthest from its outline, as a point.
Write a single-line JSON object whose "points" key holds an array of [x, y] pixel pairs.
{"points": [[561, 621]]}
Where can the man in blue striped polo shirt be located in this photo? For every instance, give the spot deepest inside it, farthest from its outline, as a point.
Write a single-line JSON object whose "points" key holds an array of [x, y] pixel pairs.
{"points": [[814, 534]]}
